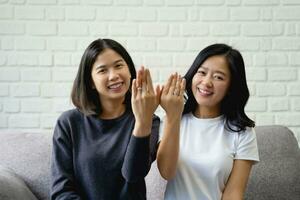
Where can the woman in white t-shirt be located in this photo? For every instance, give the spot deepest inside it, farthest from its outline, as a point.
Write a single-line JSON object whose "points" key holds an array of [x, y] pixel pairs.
{"points": [[207, 145]]}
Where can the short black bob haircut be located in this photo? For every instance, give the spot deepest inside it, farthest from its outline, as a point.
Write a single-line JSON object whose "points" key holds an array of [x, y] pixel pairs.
{"points": [[83, 96], [234, 102]]}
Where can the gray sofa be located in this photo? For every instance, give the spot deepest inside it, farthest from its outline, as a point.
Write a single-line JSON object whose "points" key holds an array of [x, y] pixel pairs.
{"points": [[25, 158]]}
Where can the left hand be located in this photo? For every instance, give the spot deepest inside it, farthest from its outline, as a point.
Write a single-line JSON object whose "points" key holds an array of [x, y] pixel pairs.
{"points": [[144, 102]]}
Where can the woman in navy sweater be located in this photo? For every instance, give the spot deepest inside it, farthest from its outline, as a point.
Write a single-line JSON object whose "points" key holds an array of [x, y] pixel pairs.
{"points": [[103, 149]]}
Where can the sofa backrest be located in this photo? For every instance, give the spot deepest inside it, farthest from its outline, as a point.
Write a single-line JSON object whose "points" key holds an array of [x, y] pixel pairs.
{"points": [[276, 176]]}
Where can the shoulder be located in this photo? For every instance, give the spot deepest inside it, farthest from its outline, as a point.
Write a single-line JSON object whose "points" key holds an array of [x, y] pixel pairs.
{"points": [[70, 115]]}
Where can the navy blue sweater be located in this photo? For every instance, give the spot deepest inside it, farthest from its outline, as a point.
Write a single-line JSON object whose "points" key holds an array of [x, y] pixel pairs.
{"points": [[97, 159]]}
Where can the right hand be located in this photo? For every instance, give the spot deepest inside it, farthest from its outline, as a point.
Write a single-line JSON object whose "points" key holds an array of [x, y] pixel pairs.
{"points": [[172, 99]]}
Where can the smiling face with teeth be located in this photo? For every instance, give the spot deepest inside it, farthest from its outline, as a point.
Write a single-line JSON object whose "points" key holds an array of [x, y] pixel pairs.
{"points": [[210, 85], [110, 76]]}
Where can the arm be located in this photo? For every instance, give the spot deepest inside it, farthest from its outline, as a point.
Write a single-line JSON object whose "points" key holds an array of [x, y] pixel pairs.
{"points": [[172, 103], [62, 175], [138, 159], [237, 182]]}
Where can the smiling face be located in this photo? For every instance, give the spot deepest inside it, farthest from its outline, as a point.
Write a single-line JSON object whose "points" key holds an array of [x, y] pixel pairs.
{"points": [[110, 76], [210, 85]]}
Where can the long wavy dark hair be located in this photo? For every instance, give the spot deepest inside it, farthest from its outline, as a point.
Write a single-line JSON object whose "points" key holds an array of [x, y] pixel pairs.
{"points": [[83, 96], [234, 102]]}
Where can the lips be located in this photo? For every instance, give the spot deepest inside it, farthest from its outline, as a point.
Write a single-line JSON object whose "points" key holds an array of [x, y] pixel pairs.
{"points": [[204, 92], [115, 86]]}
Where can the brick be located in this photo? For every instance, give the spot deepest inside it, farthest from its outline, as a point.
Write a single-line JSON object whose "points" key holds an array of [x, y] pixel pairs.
{"points": [[290, 2], [245, 14], [154, 2], [30, 44], [256, 74], [6, 12], [72, 29], [270, 89], [259, 2], [193, 14], [128, 3], [48, 121], [56, 89], [233, 2], [97, 2], [17, 2], [4, 90], [247, 44], [179, 2], [288, 119], [29, 12], [225, 29], [174, 30], [141, 14], [194, 29], [41, 2], [214, 14], [263, 29], [61, 44], [64, 74], [12, 28], [171, 44], [80, 14], [278, 104], [264, 119], [62, 59], [11, 106], [290, 29], [24, 121], [69, 2], [123, 29], [295, 104], [286, 43], [9, 75], [199, 44], [271, 59], [158, 60], [141, 45], [287, 13], [76, 57], [184, 60], [2, 60], [282, 74], [256, 105], [294, 59], [266, 14], [211, 2], [25, 59], [172, 14], [36, 105], [154, 29], [3, 121], [42, 28], [7, 43], [34, 74], [106, 14], [266, 43], [294, 89], [45, 59], [25, 90], [97, 29], [62, 104], [55, 13]]}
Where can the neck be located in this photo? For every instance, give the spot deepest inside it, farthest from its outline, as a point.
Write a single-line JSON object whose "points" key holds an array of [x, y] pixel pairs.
{"points": [[112, 109], [207, 112]]}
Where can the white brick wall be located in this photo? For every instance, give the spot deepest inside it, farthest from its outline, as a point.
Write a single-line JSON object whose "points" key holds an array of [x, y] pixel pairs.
{"points": [[41, 43]]}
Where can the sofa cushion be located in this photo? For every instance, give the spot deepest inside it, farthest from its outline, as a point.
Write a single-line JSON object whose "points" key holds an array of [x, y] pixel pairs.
{"points": [[28, 155], [13, 187], [277, 174]]}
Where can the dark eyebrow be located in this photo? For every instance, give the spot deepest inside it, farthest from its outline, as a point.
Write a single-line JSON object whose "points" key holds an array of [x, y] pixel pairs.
{"points": [[218, 71], [115, 62]]}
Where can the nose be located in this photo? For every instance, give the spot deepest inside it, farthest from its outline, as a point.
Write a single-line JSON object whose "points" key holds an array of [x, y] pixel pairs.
{"points": [[113, 75], [207, 81]]}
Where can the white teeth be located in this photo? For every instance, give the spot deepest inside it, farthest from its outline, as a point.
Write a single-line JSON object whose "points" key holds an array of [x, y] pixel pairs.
{"points": [[114, 86], [204, 91]]}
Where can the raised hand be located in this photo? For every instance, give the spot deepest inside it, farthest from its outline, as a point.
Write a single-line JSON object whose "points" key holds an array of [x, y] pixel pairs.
{"points": [[144, 102], [172, 100]]}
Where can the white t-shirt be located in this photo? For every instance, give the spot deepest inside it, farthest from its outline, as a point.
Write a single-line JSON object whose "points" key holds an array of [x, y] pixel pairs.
{"points": [[206, 155]]}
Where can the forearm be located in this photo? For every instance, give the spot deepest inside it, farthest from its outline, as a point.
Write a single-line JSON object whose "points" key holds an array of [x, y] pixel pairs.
{"points": [[168, 151]]}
